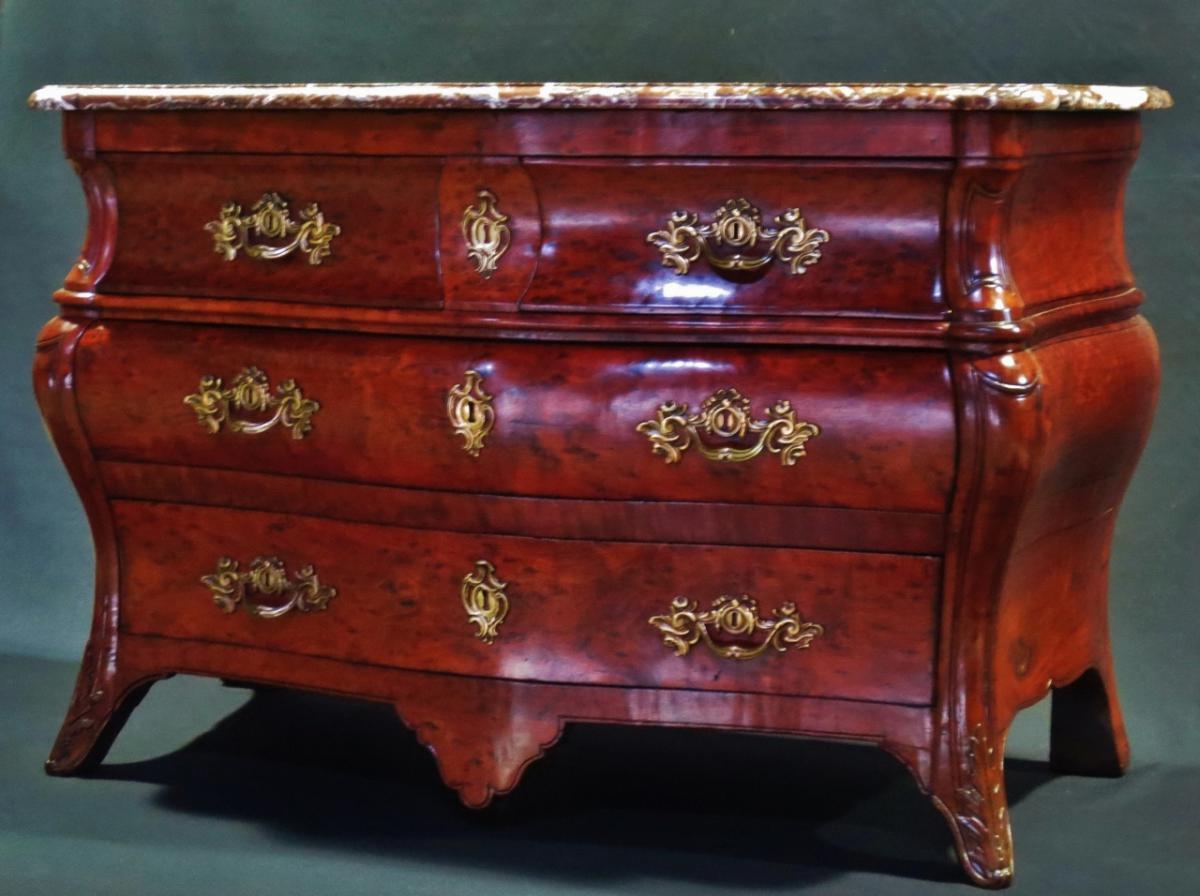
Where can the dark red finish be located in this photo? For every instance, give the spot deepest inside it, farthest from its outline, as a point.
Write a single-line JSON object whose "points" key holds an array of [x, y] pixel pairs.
{"points": [[968, 343], [566, 416], [596, 216], [579, 610], [386, 253], [460, 184], [681, 522]]}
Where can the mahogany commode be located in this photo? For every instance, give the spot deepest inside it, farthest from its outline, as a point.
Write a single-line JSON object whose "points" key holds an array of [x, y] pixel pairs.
{"points": [[801, 409]]}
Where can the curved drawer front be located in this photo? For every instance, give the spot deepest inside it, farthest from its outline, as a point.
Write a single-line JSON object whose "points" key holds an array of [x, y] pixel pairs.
{"points": [[858, 626], [715, 235], [295, 228], [638, 422], [720, 236]]}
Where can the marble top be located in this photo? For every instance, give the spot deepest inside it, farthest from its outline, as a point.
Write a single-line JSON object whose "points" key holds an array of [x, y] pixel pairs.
{"points": [[565, 95]]}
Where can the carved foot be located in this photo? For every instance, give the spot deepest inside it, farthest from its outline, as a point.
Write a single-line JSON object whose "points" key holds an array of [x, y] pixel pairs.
{"points": [[1087, 731], [102, 703], [483, 734], [972, 798]]}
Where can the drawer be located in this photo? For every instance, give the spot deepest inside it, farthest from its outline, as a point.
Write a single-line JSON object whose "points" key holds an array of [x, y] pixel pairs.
{"points": [[867, 239], [860, 625], [864, 429], [174, 215], [813, 237]]}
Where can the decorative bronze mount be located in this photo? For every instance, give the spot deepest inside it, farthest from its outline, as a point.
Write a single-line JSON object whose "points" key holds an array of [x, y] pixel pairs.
{"points": [[685, 626], [251, 391], [737, 227], [469, 409], [726, 414], [266, 575], [484, 599], [486, 232], [270, 219]]}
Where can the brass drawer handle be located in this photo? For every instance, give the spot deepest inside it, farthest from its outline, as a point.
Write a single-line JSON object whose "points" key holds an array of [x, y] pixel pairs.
{"points": [[484, 599], [470, 411], [270, 219], [737, 226], [231, 586], [726, 414], [486, 233], [251, 391], [738, 617]]}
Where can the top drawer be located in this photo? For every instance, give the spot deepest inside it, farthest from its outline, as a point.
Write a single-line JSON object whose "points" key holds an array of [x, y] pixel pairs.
{"points": [[799, 237], [376, 223]]}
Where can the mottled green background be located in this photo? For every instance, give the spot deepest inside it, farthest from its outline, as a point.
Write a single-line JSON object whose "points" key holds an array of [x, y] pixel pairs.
{"points": [[260, 805]]}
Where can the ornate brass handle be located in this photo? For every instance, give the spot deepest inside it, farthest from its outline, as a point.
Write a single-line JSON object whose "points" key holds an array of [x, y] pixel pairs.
{"points": [[737, 617], [726, 415], [270, 219], [231, 586], [738, 226], [484, 600], [469, 409], [251, 391]]}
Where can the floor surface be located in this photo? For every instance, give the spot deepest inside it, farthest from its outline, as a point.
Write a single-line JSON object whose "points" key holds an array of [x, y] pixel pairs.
{"points": [[220, 790]]}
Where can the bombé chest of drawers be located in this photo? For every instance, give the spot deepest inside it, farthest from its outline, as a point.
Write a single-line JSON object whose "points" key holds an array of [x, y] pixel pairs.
{"points": [[793, 409]]}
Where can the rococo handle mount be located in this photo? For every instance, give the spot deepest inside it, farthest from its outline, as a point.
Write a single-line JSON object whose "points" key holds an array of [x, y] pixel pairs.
{"points": [[734, 234], [270, 219], [685, 626], [231, 587], [726, 415], [215, 403]]}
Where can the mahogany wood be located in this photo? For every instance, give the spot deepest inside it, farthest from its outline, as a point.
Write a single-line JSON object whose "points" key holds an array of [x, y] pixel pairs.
{"points": [[566, 415], [884, 223], [579, 611], [387, 256], [968, 344], [681, 522]]}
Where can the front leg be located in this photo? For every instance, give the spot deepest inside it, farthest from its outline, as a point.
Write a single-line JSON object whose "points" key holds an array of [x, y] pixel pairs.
{"points": [[106, 690], [104, 698], [970, 793]]}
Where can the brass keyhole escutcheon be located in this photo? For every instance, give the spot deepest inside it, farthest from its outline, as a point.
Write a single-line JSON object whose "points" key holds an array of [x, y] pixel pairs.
{"points": [[484, 599], [486, 232], [469, 409]]}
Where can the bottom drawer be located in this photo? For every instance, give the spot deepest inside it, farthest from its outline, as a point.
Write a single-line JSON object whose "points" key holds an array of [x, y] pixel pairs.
{"points": [[534, 609]]}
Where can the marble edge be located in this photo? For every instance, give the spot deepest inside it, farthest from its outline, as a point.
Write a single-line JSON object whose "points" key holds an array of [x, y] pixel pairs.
{"points": [[566, 95]]}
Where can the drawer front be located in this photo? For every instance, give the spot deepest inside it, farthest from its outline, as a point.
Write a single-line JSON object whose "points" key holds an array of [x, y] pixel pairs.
{"points": [[716, 236], [857, 626], [193, 224], [861, 429]]}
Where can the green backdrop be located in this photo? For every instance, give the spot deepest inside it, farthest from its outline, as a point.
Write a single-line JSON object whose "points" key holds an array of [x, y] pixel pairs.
{"points": [[45, 552]]}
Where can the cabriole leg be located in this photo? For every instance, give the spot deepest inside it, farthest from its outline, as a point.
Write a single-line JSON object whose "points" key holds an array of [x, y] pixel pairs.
{"points": [[103, 701], [969, 791]]}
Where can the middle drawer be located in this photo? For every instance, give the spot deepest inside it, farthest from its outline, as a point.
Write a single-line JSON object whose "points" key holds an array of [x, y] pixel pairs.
{"points": [[870, 429]]}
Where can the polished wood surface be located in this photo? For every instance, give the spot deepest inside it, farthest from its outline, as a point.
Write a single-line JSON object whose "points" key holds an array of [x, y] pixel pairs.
{"points": [[884, 223], [566, 416], [384, 255], [968, 344], [579, 610]]}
